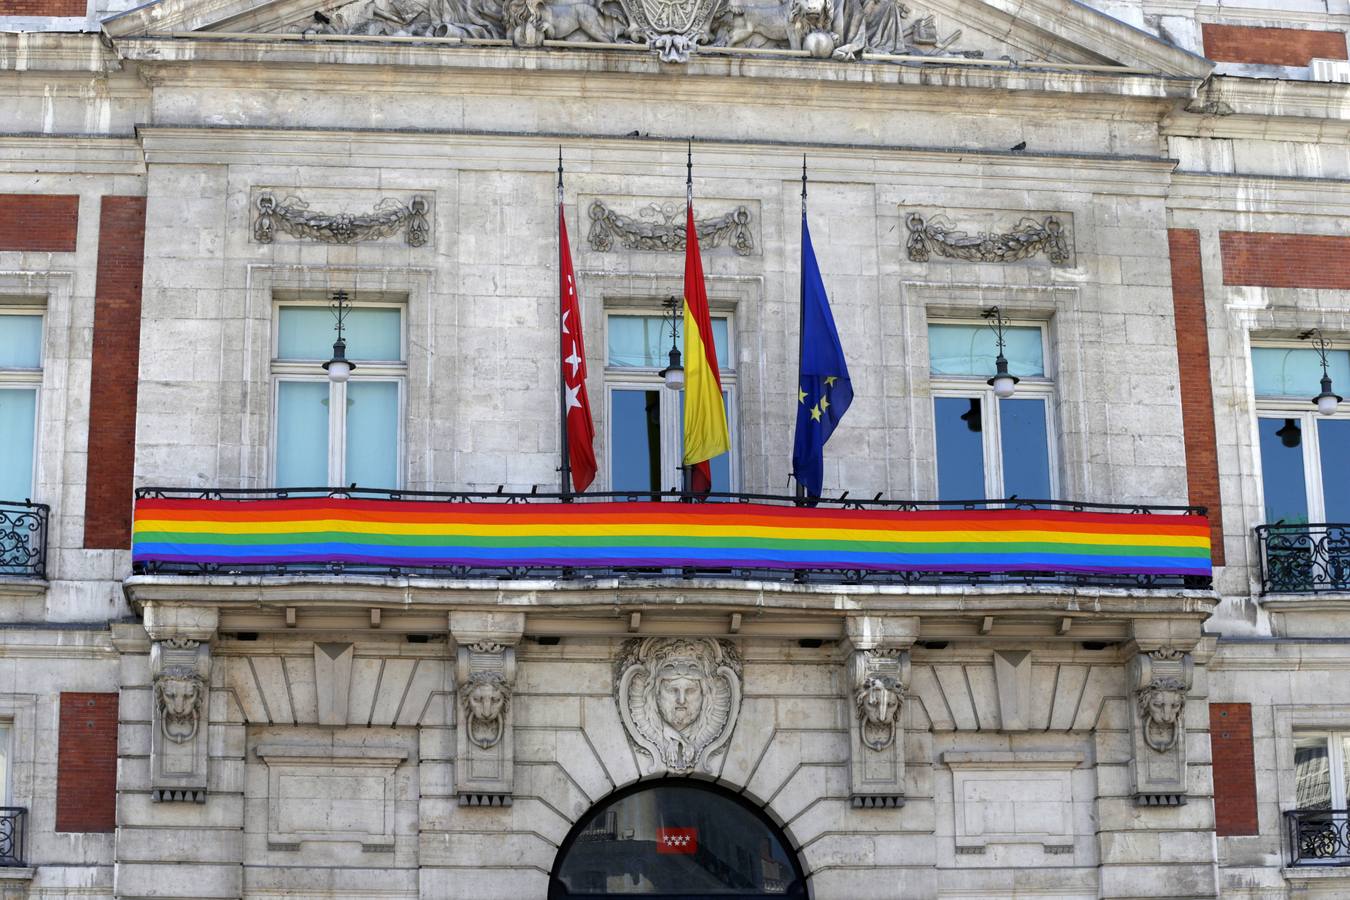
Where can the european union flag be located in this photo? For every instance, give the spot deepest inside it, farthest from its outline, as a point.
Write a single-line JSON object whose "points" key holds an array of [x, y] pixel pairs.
{"points": [[824, 390]]}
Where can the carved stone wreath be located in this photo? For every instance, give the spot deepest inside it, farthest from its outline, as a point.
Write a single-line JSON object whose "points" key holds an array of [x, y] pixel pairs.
{"points": [[679, 698], [1024, 240], [293, 216], [661, 226]]}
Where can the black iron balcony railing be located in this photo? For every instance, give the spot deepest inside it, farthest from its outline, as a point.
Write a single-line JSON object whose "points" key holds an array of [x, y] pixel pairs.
{"points": [[1318, 837], [1304, 558], [751, 536], [13, 832], [23, 538]]}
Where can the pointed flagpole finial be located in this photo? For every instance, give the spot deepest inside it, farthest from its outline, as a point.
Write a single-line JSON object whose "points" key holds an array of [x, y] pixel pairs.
{"points": [[689, 171], [803, 184], [560, 172]]}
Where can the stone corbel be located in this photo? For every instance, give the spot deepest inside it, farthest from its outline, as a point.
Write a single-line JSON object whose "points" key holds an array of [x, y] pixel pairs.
{"points": [[180, 673], [485, 676], [1160, 679], [877, 678]]}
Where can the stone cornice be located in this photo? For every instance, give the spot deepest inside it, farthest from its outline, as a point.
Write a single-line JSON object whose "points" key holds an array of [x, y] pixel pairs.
{"points": [[1243, 195], [56, 51], [1225, 98]]}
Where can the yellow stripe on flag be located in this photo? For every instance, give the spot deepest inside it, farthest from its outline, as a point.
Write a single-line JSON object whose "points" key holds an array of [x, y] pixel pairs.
{"points": [[705, 417]]}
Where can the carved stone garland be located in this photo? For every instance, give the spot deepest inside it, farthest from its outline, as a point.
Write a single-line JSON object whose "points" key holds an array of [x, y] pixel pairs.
{"points": [[293, 216], [180, 669], [1161, 679], [484, 765], [673, 29], [670, 233], [878, 679], [1024, 240], [678, 699]]}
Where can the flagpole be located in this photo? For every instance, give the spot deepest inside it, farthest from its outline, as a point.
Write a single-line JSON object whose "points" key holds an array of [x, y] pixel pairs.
{"points": [[801, 323], [566, 468]]}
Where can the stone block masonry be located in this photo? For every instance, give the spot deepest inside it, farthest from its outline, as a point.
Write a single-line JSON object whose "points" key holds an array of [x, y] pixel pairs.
{"points": [[116, 365], [86, 767], [1275, 259], [1230, 741], [1271, 46], [1197, 395], [37, 221]]}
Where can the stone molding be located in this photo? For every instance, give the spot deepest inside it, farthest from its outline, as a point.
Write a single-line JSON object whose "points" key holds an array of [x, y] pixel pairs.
{"points": [[294, 217], [662, 226]]}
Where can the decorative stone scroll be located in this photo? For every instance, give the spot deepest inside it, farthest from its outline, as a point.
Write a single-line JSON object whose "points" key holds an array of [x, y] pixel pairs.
{"points": [[180, 670], [661, 226], [1161, 679], [293, 216], [484, 765], [679, 698], [673, 29], [1024, 240]]}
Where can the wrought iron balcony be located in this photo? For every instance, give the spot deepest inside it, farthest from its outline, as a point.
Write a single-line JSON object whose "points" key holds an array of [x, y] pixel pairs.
{"points": [[1304, 558], [1318, 837], [13, 833], [23, 538], [499, 535]]}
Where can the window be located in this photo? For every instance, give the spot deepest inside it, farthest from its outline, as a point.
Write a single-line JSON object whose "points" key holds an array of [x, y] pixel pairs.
{"points": [[1303, 473], [326, 433], [20, 378], [1321, 827], [645, 420], [987, 447]]}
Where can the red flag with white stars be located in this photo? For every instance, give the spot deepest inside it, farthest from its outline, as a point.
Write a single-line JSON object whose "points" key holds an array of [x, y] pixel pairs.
{"points": [[580, 425], [677, 840]]}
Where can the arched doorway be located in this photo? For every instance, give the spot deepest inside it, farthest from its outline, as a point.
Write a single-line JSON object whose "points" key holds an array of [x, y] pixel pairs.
{"points": [[676, 839]]}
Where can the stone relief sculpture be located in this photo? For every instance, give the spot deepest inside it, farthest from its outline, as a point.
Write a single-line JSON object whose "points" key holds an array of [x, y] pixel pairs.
{"points": [[293, 216], [1161, 679], [878, 701], [487, 700], [674, 29], [179, 691], [661, 226], [1024, 240], [679, 698]]}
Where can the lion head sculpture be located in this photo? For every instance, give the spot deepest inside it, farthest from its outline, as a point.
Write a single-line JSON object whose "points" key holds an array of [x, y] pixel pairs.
{"points": [[1162, 705], [878, 702], [179, 691], [486, 698]]}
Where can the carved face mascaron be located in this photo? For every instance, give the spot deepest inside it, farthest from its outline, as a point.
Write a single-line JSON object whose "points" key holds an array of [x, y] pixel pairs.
{"points": [[178, 694], [878, 707], [485, 704], [1161, 705], [679, 698]]}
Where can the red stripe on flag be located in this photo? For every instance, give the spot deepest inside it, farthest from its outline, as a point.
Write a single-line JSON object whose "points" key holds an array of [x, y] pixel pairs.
{"points": [[580, 425]]}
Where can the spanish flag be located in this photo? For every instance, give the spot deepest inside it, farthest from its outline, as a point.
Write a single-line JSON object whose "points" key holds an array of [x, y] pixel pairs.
{"points": [[705, 416]]}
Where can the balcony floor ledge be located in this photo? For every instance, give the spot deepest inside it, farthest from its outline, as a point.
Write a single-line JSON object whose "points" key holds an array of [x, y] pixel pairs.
{"points": [[435, 593], [1308, 873], [15, 586]]}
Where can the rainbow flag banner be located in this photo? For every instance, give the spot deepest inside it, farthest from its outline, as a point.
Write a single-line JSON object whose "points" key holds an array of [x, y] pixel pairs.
{"points": [[315, 533]]}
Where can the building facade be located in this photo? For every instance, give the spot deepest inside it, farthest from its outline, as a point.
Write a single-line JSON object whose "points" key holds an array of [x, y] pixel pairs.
{"points": [[1145, 202]]}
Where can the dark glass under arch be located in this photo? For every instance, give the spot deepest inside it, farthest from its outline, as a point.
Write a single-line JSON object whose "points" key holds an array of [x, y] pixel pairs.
{"points": [[676, 839]]}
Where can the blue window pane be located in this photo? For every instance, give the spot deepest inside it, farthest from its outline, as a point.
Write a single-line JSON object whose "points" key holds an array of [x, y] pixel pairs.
{"points": [[1297, 371], [20, 342], [372, 434], [635, 430], [18, 418], [302, 433], [1334, 448], [970, 350], [1026, 449], [643, 342], [308, 332], [960, 448], [1282, 477]]}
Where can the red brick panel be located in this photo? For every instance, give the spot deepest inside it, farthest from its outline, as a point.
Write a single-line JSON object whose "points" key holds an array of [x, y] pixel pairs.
{"points": [[38, 221], [1271, 46], [86, 763], [1230, 744], [112, 384], [1275, 259], [1197, 397], [43, 8]]}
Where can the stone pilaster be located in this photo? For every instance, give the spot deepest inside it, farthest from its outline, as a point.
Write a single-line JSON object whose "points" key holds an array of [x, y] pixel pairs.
{"points": [[485, 676], [877, 676]]}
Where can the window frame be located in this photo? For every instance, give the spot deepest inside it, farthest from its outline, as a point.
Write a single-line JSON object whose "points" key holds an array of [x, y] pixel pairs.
{"points": [[29, 379], [1335, 741], [308, 370], [1301, 409], [966, 387], [648, 378]]}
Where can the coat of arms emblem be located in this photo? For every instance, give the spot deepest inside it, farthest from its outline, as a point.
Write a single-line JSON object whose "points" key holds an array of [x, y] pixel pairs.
{"points": [[673, 28]]}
